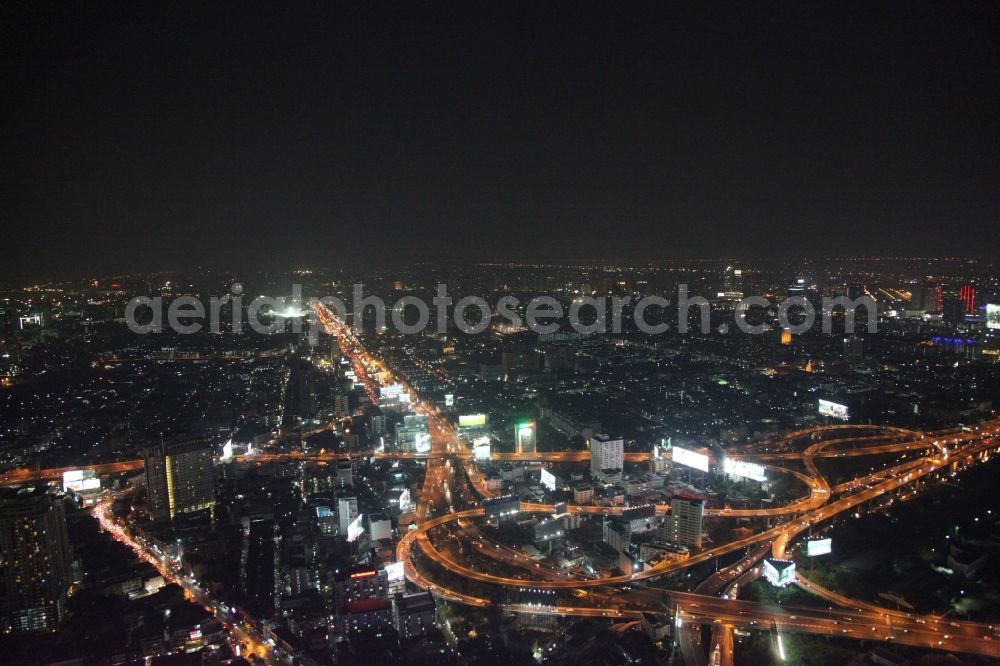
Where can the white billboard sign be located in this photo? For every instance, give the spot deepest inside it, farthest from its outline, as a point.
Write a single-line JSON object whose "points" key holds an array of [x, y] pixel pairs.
{"points": [[390, 392], [81, 479], [992, 316], [355, 529], [548, 479], [834, 409], [744, 469], [688, 458], [779, 572], [394, 572], [481, 448], [816, 547], [422, 443]]}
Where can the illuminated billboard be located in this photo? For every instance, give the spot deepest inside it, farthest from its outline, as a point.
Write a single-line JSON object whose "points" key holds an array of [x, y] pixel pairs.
{"points": [[779, 572], [548, 479], [834, 409], [79, 480], [504, 505], [525, 435], [405, 501], [816, 547], [323, 512], [449, 399], [744, 469], [390, 392], [422, 443], [481, 448], [689, 458], [471, 420], [355, 529], [993, 315], [394, 572]]}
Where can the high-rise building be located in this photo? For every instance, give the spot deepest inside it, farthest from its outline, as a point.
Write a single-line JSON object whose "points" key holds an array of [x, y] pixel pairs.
{"points": [[798, 287], [34, 558], [326, 521], [953, 311], [379, 526], [606, 453], [525, 436], [732, 283], [347, 511], [345, 474], [260, 561], [360, 585], [414, 614], [854, 349], [179, 478], [967, 294], [341, 406], [362, 600], [376, 423], [684, 524], [413, 434], [927, 297]]}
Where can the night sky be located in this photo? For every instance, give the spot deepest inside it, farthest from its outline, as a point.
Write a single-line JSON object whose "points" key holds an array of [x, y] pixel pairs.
{"points": [[151, 136]]}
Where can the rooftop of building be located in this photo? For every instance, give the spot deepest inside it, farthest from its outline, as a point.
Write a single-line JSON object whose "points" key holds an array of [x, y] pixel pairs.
{"points": [[24, 493]]}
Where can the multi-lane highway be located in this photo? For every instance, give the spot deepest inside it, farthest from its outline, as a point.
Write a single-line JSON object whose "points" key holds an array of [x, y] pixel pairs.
{"points": [[818, 506], [243, 635], [449, 463]]}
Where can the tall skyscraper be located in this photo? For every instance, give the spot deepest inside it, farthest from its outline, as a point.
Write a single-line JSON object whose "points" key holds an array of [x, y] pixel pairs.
{"points": [[413, 433], [376, 422], [347, 511], [34, 558], [684, 524], [606, 453], [732, 283], [927, 297], [179, 478], [341, 406], [260, 560], [967, 294], [953, 310], [854, 349], [525, 434]]}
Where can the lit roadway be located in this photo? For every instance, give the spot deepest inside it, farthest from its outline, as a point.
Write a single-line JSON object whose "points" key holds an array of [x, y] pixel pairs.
{"points": [[857, 620], [240, 632], [56, 473], [861, 623], [780, 534], [461, 453], [722, 634]]}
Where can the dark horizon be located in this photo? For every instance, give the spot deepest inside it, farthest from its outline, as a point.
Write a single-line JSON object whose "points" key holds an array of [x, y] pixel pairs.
{"points": [[815, 266], [148, 138]]}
